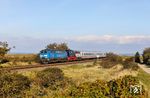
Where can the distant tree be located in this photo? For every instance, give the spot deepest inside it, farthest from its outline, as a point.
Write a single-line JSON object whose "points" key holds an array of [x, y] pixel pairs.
{"points": [[146, 56], [63, 46], [51, 46], [137, 57], [3, 49], [55, 46], [114, 57]]}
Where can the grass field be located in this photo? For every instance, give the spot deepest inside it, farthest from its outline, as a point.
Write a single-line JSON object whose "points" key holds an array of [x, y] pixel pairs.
{"points": [[145, 79], [80, 73], [19, 60], [86, 72]]}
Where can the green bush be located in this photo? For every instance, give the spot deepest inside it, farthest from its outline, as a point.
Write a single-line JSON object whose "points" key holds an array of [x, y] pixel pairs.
{"points": [[34, 92], [137, 57], [146, 55], [95, 62], [107, 64], [12, 84], [148, 62], [2, 61], [119, 88], [114, 57], [111, 60], [129, 64], [98, 89], [50, 78], [37, 58]]}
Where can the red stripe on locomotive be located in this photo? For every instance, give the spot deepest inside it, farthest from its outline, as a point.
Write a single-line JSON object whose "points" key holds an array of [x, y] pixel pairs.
{"points": [[72, 58]]}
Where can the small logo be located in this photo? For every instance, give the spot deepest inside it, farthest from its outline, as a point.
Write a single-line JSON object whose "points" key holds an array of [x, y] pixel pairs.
{"points": [[136, 89]]}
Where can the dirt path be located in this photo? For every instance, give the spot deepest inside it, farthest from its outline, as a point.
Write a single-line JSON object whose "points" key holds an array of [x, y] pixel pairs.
{"points": [[144, 67]]}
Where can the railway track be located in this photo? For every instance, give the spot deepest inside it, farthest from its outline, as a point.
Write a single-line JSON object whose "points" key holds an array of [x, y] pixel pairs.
{"points": [[44, 65]]}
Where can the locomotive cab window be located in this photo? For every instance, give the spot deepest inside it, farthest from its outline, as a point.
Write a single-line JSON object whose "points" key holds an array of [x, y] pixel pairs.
{"points": [[42, 51], [70, 53], [45, 51]]}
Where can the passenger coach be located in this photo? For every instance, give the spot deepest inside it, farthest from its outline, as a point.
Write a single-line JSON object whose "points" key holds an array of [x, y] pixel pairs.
{"points": [[89, 55]]}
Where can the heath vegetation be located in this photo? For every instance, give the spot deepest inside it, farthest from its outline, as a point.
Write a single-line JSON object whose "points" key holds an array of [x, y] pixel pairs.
{"points": [[71, 81]]}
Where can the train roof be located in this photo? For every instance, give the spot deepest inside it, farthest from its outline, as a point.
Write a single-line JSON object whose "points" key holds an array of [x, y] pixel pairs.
{"points": [[91, 51], [54, 50]]}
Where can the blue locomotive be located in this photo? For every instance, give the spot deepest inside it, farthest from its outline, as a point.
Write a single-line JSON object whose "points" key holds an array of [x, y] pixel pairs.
{"points": [[48, 55]]}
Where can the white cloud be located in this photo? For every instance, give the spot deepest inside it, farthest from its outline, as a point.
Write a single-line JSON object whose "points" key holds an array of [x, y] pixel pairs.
{"points": [[113, 39], [122, 44]]}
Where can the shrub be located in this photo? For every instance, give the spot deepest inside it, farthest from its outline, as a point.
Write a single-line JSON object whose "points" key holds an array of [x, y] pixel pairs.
{"points": [[129, 64], [146, 55], [34, 92], [29, 62], [97, 89], [107, 64], [37, 58], [2, 61], [12, 84], [114, 57], [95, 62], [111, 60], [119, 88], [148, 62], [4, 48], [50, 78], [137, 57]]}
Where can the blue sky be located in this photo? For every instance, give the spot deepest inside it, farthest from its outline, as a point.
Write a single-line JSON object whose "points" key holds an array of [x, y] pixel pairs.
{"points": [[121, 26]]}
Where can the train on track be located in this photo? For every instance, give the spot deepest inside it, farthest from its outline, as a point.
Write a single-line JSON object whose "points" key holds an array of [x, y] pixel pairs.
{"points": [[49, 56]]}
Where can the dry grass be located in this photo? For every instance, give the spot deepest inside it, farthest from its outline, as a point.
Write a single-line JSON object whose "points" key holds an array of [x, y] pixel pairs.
{"points": [[30, 74], [81, 73], [19, 60], [19, 55], [145, 80], [11, 64]]}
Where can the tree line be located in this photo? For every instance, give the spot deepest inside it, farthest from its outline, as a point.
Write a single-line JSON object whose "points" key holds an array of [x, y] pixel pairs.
{"points": [[145, 56], [4, 49], [57, 46]]}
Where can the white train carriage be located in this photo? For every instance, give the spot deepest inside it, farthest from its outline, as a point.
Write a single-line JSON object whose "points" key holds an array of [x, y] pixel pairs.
{"points": [[90, 55]]}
